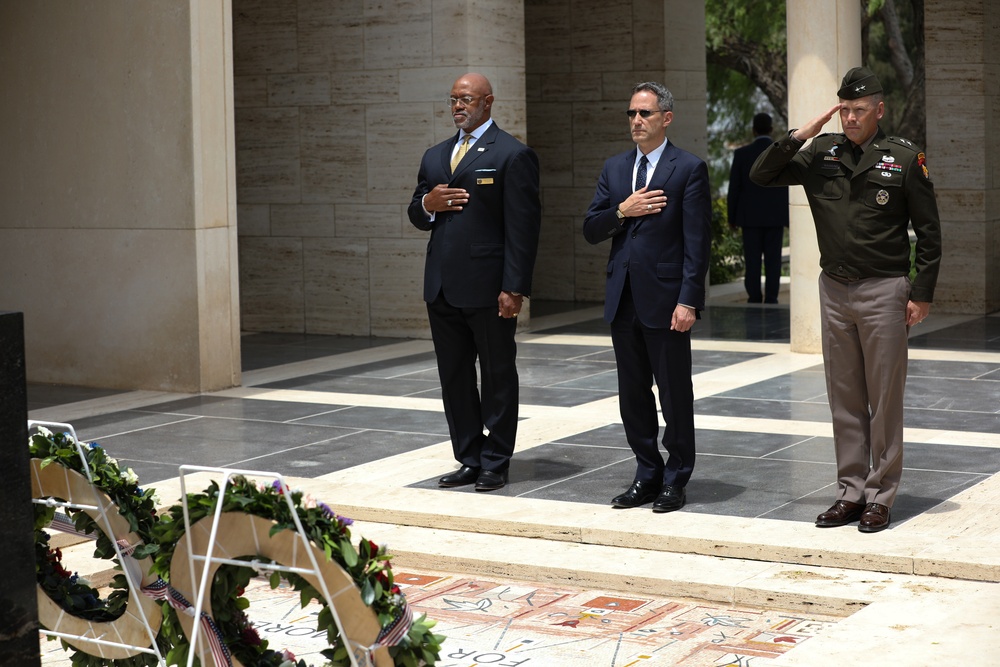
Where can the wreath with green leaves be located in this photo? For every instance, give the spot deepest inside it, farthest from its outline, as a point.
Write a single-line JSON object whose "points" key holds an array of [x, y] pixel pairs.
{"points": [[367, 564], [137, 506]]}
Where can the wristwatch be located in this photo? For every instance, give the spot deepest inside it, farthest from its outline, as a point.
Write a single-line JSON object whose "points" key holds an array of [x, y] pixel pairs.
{"points": [[618, 212]]}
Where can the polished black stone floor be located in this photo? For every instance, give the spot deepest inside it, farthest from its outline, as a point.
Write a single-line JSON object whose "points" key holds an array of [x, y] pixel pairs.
{"points": [[776, 473]]}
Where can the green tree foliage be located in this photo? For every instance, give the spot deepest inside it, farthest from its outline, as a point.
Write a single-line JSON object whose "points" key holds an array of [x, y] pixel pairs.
{"points": [[892, 45], [746, 53], [727, 247]]}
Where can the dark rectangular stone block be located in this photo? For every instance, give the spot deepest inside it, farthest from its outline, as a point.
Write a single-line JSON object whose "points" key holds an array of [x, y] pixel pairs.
{"points": [[18, 602]]}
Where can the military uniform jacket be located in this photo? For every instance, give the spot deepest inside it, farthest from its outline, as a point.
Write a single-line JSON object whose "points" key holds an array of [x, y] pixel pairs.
{"points": [[862, 211]]}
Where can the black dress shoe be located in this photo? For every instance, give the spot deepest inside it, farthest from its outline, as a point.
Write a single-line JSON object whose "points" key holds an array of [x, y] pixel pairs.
{"points": [[461, 477], [639, 493], [840, 513], [670, 499], [874, 518], [491, 481]]}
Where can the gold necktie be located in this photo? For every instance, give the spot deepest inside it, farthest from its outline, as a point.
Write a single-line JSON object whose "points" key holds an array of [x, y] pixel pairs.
{"points": [[460, 153]]}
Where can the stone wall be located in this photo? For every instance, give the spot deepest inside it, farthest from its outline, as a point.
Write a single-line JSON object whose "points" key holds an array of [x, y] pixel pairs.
{"points": [[336, 101], [963, 148]]}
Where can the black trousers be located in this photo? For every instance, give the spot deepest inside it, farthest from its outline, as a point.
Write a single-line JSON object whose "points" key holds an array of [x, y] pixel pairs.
{"points": [[645, 355], [461, 337], [766, 242]]}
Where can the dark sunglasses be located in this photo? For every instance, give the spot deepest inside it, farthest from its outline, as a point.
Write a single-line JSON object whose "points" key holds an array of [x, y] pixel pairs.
{"points": [[645, 113]]}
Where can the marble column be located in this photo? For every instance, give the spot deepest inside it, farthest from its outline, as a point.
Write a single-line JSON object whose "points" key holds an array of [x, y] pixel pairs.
{"points": [[18, 604], [117, 192], [824, 41]]}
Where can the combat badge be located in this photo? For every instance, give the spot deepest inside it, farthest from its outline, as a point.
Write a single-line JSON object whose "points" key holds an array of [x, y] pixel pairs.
{"points": [[922, 161], [882, 198]]}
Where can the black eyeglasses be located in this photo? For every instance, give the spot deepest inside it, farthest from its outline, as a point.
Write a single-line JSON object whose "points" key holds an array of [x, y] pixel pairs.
{"points": [[645, 113]]}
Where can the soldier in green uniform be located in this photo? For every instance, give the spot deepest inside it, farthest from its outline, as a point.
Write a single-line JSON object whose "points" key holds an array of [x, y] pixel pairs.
{"points": [[864, 189]]}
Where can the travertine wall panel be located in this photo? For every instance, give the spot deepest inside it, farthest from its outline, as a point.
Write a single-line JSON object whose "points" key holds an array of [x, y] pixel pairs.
{"points": [[372, 220], [298, 90], [332, 146], [396, 273], [963, 148], [267, 155], [336, 286], [331, 35], [302, 220], [255, 219], [271, 284]]}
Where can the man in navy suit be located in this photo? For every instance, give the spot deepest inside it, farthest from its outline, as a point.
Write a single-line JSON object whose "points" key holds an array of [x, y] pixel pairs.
{"points": [[653, 202], [761, 212], [477, 194]]}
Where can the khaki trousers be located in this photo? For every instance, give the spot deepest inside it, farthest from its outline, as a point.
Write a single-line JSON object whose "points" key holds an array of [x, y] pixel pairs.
{"points": [[864, 352]]}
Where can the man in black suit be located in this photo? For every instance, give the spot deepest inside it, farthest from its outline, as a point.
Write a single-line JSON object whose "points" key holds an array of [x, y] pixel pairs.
{"points": [[477, 194], [654, 203], [761, 212]]}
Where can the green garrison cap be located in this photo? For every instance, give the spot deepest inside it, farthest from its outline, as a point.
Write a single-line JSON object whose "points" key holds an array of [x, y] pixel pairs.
{"points": [[859, 82]]}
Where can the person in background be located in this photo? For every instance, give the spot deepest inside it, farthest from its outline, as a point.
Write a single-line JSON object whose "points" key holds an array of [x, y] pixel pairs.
{"points": [[762, 214]]}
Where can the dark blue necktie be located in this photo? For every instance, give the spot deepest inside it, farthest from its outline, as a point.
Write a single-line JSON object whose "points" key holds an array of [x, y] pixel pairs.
{"points": [[640, 174]]}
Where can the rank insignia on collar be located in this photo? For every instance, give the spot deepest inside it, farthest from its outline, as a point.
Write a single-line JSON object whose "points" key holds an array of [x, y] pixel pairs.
{"points": [[882, 198]]}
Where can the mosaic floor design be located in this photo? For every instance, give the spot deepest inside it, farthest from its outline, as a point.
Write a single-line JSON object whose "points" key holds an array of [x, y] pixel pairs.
{"points": [[494, 622], [490, 621], [508, 624]]}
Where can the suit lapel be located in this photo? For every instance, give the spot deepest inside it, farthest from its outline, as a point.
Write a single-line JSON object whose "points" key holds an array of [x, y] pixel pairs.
{"points": [[483, 144], [446, 153], [626, 174], [664, 168]]}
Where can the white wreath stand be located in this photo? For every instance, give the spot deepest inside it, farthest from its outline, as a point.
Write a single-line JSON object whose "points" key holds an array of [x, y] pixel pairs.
{"points": [[79, 630], [361, 625]]}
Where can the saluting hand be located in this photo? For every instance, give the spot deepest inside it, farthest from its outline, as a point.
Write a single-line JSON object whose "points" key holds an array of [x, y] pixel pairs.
{"points": [[812, 128]]}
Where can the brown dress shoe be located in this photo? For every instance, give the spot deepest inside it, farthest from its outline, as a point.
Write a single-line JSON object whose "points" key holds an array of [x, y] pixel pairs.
{"points": [[874, 518], [840, 513]]}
